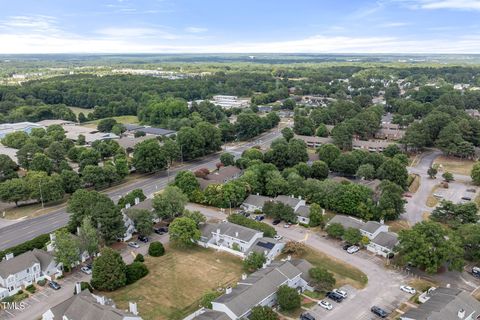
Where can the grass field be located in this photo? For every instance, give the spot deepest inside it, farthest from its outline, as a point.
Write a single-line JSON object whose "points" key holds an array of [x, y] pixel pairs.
{"points": [[120, 119], [431, 200], [77, 110], [398, 225], [415, 184], [455, 165], [177, 281], [343, 272]]}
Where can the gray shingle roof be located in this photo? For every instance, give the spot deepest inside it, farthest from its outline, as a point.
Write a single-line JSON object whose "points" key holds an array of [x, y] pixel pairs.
{"points": [[228, 229], [146, 204], [287, 200], [223, 174], [444, 304], [84, 306], [258, 286], [386, 239], [212, 315], [24, 261], [371, 226], [256, 200], [156, 131], [347, 222], [303, 211]]}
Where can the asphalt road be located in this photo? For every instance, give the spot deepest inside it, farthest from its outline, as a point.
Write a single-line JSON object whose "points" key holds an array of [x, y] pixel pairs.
{"points": [[25, 230]]}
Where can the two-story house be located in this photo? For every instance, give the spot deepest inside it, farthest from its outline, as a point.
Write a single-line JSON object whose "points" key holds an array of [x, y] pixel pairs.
{"points": [[25, 269]]}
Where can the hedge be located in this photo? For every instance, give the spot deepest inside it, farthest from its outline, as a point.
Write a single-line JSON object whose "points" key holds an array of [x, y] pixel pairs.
{"points": [[156, 249], [135, 271], [268, 231], [36, 243]]}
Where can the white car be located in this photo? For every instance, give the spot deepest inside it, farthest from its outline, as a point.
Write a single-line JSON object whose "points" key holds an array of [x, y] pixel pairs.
{"points": [[86, 270], [408, 289], [278, 237], [133, 244], [325, 305], [287, 225], [353, 249], [343, 293]]}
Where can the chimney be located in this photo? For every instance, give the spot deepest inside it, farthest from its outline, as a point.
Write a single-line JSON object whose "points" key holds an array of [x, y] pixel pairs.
{"points": [[244, 276], [461, 314], [236, 234], [299, 197], [78, 233], [127, 206], [52, 236], [258, 194], [292, 196], [78, 288], [9, 256], [264, 266], [137, 201], [100, 300], [132, 307], [228, 290], [289, 257], [382, 221]]}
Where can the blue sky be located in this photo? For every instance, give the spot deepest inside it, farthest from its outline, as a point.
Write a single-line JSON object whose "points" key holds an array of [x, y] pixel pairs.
{"points": [[223, 26]]}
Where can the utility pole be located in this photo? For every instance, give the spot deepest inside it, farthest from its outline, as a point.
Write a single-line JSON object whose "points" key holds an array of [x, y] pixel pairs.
{"points": [[181, 154], [41, 195]]}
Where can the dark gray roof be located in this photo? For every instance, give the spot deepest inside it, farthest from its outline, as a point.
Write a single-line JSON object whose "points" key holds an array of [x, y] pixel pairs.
{"points": [[84, 306], [444, 304], [228, 229], [224, 174], [386, 239], [203, 184], [256, 200], [258, 286], [212, 315], [263, 244], [303, 211], [24, 261], [132, 127], [156, 131], [288, 200], [347, 222], [146, 204], [371, 226]]}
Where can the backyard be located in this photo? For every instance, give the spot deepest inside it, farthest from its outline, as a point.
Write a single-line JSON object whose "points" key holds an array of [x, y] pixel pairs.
{"points": [[454, 165], [177, 281]]}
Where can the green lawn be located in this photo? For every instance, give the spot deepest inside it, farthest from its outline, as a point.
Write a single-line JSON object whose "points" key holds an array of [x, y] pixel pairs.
{"points": [[120, 119], [77, 110], [177, 281]]}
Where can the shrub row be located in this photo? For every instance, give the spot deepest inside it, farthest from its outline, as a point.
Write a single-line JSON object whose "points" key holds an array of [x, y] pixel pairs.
{"points": [[36, 243], [268, 231]]}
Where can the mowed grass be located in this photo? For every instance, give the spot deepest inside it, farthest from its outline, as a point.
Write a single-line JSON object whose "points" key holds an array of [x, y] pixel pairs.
{"points": [[177, 281], [77, 110], [455, 165], [120, 119]]}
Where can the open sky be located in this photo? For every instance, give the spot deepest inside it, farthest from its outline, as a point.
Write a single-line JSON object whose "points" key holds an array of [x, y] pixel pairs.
{"points": [[239, 26]]}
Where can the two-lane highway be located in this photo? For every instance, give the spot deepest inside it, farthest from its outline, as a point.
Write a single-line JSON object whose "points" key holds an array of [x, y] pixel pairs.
{"points": [[25, 230]]}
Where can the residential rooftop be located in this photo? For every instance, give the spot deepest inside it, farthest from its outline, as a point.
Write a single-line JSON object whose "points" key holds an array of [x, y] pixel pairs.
{"points": [[228, 229]]}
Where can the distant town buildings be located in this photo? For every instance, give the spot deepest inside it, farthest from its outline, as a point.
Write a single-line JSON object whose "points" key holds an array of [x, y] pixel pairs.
{"points": [[228, 102]]}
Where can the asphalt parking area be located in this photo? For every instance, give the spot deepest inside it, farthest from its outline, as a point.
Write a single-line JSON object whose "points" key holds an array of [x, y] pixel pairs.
{"points": [[455, 192]]}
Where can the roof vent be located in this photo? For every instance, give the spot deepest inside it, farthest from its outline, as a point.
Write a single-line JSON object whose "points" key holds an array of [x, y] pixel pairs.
{"points": [[461, 314], [236, 234], [132, 307], [244, 276], [9, 256], [228, 290]]}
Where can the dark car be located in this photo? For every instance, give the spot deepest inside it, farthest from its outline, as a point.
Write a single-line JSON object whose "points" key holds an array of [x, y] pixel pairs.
{"points": [[379, 312], [335, 296], [143, 239], [54, 285], [307, 316], [259, 218], [160, 230], [346, 246], [277, 221], [466, 198], [476, 272]]}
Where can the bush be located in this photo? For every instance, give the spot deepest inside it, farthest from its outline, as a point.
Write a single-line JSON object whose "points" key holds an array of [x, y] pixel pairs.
{"points": [[268, 231], [135, 271], [85, 285], [207, 298], [139, 258], [31, 288], [288, 298], [36, 243], [156, 249], [42, 282]]}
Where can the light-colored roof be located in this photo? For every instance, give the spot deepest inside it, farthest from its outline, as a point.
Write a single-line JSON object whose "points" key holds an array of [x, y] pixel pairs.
{"points": [[347, 222], [228, 229], [263, 245], [11, 152], [256, 200], [371, 144], [129, 142], [386, 239], [47, 123], [288, 200], [212, 315], [84, 306], [146, 204], [303, 211], [444, 304], [24, 261], [223, 174], [314, 139], [258, 286], [371, 226]]}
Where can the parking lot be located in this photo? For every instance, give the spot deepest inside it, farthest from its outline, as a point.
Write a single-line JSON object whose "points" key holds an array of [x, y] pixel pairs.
{"points": [[455, 192]]}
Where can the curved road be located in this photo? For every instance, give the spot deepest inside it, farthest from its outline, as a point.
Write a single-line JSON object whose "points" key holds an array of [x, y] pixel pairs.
{"points": [[25, 230]]}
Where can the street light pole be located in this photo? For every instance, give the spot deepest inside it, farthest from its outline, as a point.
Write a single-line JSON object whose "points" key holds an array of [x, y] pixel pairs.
{"points": [[41, 195]]}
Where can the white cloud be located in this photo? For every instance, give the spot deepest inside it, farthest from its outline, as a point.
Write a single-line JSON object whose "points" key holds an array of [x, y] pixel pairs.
{"points": [[443, 4], [125, 33], [195, 30], [394, 24]]}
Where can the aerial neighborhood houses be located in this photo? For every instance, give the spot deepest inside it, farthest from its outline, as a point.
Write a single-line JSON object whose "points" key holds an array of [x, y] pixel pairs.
{"points": [[229, 102], [369, 145], [382, 242], [258, 289], [85, 306], [25, 269], [220, 176], [238, 240], [255, 203]]}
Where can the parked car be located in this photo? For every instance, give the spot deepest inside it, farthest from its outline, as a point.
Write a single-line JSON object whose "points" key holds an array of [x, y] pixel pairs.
{"points": [[158, 231], [379, 312], [346, 246], [276, 221], [476, 272], [467, 198], [353, 249], [436, 195], [343, 293], [259, 218], [334, 296], [407, 195], [471, 190], [144, 239], [307, 316], [133, 244], [54, 285], [325, 305], [408, 289], [86, 270], [287, 225], [278, 237]]}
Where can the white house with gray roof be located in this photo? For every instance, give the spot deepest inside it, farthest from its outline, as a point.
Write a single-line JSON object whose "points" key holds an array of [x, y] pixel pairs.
{"points": [[260, 288], [382, 242], [254, 202], [25, 269], [446, 304], [87, 306], [290, 201]]}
